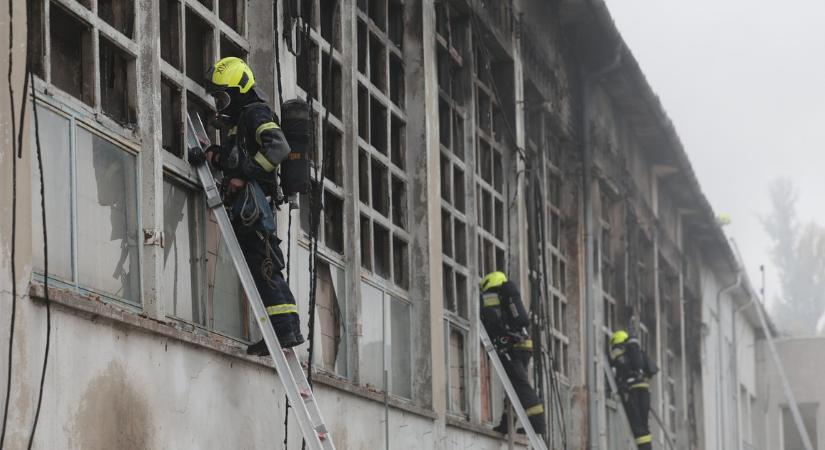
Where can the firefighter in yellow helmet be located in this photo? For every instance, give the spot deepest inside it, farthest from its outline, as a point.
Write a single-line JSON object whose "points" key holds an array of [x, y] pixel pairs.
{"points": [[633, 372], [252, 147], [505, 319]]}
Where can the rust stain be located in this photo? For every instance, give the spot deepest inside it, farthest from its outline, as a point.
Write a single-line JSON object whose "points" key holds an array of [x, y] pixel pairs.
{"points": [[112, 414]]}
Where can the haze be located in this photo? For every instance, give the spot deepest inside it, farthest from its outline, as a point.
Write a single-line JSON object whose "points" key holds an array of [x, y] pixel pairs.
{"points": [[744, 82]]}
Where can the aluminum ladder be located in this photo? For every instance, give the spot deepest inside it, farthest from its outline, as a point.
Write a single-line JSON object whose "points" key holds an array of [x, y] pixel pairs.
{"points": [[535, 440], [290, 370]]}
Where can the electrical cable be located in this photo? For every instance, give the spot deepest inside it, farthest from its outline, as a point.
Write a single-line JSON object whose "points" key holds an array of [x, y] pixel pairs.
{"points": [[14, 158]]}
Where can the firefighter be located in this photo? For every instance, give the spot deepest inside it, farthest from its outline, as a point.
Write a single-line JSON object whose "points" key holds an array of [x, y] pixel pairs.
{"points": [[505, 319], [252, 149], [633, 373]]}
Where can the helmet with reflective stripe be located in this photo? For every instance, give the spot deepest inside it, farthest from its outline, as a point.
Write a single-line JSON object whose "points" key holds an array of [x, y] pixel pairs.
{"points": [[618, 337], [492, 280], [229, 72]]}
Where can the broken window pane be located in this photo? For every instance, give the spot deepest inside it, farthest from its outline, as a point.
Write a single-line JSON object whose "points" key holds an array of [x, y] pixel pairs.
{"points": [[395, 30], [378, 12], [107, 218], [444, 132], [181, 262], [399, 202], [331, 354], [331, 100], [445, 179], [401, 348], [198, 46], [446, 232], [120, 14], [71, 54], [363, 113], [333, 167], [307, 72], [170, 38], [362, 47], [55, 140], [364, 177], [328, 22], [458, 188], [366, 249], [460, 242], [116, 83]]}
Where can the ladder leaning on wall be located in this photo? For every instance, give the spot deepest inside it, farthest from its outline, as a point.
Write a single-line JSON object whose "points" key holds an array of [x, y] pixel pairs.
{"points": [[290, 371], [515, 403]]}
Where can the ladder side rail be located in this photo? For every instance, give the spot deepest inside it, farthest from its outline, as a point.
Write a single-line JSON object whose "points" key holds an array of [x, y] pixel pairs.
{"points": [[535, 441]]}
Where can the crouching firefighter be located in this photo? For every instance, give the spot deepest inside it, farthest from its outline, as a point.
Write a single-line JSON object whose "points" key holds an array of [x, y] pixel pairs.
{"points": [[505, 319], [252, 147], [634, 369]]}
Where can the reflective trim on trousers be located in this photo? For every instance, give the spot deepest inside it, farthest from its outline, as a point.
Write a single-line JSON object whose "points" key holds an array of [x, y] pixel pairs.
{"points": [[287, 308], [535, 410], [644, 439]]}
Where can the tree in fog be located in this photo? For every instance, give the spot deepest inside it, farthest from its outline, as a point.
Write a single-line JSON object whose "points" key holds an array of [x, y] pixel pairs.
{"points": [[798, 250]]}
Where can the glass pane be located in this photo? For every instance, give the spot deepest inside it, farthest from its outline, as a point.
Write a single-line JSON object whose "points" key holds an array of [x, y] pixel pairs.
{"points": [[54, 143], [107, 218], [372, 340], [228, 301], [457, 371], [330, 319], [400, 346], [180, 253]]}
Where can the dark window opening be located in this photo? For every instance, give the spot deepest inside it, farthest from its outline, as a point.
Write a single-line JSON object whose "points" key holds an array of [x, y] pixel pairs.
{"points": [[378, 12], [460, 231], [396, 80], [399, 202], [378, 64], [380, 184], [170, 36], [446, 233], [333, 222], [366, 250], [449, 298], [198, 47], [398, 142], [363, 113], [458, 189], [362, 47], [231, 13], [446, 192], [36, 45], [400, 263], [364, 177], [116, 83], [170, 111], [120, 14], [333, 167], [378, 126], [328, 22], [395, 28], [229, 48], [307, 74], [461, 294], [71, 54], [381, 242], [331, 100]]}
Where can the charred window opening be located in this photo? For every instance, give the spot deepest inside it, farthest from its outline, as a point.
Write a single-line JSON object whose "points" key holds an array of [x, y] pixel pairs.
{"points": [[364, 177], [398, 142], [170, 38], [170, 111], [71, 59], [120, 14], [446, 235], [329, 23], [380, 183], [229, 48], [381, 244], [331, 89], [231, 13], [400, 263], [116, 83], [399, 202], [363, 113], [377, 55], [198, 46], [396, 80], [333, 164], [307, 75], [395, 28], [36, 45], [366, 241], [378, 126], [449, 295]]}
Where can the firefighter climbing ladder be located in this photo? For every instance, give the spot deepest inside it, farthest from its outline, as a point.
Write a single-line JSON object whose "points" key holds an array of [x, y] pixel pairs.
{"points": [[535, 440], [289, 368]]}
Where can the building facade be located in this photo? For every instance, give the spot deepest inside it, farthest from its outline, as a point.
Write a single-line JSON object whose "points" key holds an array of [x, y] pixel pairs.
{"points": [[453, 138]]}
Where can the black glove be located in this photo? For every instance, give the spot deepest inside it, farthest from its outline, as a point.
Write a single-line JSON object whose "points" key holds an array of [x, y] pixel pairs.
{"points": [[196, 156]]}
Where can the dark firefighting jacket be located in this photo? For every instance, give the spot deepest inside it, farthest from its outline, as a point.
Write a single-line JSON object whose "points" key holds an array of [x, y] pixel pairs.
{"points": [[632, 366], [504, 316]]}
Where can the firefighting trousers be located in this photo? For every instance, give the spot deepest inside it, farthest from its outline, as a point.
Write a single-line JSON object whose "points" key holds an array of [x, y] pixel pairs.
{"points": [[516, 368], [637, 406], [265, 259]]}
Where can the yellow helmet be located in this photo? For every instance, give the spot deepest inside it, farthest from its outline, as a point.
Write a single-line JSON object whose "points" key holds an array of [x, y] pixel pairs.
{"points": [[492, 279], [618, 337], [229, 72]]}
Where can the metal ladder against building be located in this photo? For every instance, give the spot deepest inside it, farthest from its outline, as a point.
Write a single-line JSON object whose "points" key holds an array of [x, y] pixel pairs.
{"points": [[614, 388], [535, 440], [290, 370]]}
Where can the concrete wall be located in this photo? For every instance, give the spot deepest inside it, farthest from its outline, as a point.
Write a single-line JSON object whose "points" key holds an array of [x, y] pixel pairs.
{"points": [[803, 364]]}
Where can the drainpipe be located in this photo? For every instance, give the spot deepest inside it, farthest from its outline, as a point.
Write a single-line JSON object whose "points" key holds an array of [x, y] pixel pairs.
{"points": [[719, 404], [736, 368], [590, 304]]}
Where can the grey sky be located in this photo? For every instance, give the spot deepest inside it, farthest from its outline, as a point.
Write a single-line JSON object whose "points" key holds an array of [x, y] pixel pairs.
{"points": [[744, 82]]}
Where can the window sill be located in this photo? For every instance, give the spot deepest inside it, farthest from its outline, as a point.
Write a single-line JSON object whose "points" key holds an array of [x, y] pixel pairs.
{"points": [[93, 307], [475, 427]]}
